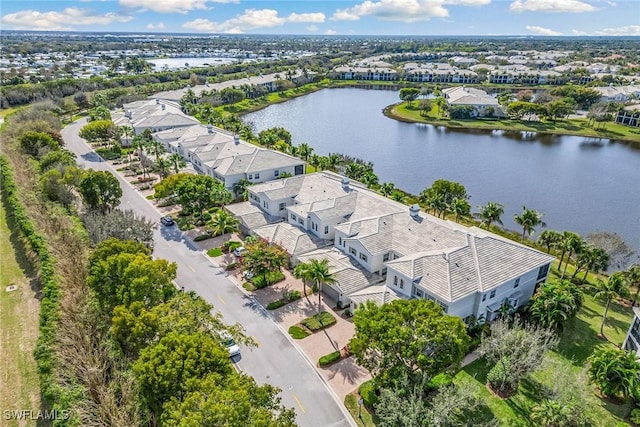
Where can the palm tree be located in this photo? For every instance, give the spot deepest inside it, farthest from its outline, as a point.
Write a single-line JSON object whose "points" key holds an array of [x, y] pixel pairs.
{"points": [[240, 187], [398, 196], [614, 287], [333, 160], [387, 188], [223, 223], [570, 243], [529, 219], [177, 162], [127, 132], [154, 146], [577, 246], [304, 151], [163, 167], [633, 277], [301, 271], [319, 274], [460, 208], [490, 213], [550, 239]]}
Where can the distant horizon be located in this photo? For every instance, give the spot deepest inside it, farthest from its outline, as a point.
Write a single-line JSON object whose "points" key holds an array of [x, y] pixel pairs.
{"points": [[393, 18]]}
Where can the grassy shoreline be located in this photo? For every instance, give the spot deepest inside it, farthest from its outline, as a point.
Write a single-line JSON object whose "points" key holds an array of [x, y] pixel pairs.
{"points": [[575, 127]]}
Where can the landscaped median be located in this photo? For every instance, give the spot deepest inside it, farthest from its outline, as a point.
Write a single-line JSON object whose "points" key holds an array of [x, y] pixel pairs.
{"points": [[287, 297], [312, 324]]}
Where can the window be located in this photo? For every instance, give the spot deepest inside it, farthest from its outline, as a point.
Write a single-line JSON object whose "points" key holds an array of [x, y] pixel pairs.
{"points": [[282, 206], [293, 217], [542, 272], [257, 176], [326, 229], [265, 204], [395, 256], [352, 251], [385, 258], [401, 283], [301, 221], [517, 283], [484, 297], [250, 176], [276, 173], [363, 256], [339, 241], [395, 280], [314, 226], [384, 272], [492, 294], [419, 293]]}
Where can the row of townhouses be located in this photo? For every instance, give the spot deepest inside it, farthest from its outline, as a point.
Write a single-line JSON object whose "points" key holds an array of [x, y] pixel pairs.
{"points": [[207, 149], [382, 250]]}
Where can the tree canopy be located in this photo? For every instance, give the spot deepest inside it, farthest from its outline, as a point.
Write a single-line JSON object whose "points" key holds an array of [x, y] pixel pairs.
{"points": [[100, 190]]}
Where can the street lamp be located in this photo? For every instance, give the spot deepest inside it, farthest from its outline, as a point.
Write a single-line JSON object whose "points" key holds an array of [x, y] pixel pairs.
{"points": [[360, 402]]}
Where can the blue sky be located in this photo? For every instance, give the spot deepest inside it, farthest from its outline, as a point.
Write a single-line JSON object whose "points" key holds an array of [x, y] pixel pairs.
{"points": [[341, 17]]}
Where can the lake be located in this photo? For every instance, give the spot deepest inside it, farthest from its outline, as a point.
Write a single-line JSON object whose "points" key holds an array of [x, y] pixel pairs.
{"points": [[580, 184]]}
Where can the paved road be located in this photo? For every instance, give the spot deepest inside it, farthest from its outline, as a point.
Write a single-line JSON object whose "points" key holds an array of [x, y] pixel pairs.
{"points": [[276, 360]]}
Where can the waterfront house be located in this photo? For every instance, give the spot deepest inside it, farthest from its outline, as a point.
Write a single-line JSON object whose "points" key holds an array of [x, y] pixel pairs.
{"points": [[482, 103], [383, 249], [629, 115]]}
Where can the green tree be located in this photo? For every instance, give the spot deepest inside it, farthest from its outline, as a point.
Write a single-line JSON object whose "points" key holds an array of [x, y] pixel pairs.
{"points": [[230, 95], [615, 372], [460, 208], [113, 246], [409, 94], [99, 113], [407, 337], [515, 349], [490, 213], [550, 239], [449, 190], [232, 401], [58, 184], [633, 278], [167, 188], [304, 151], [197, 193], [568, 244], [100, 190], [554, 303], [318, 274], [240, 187], [100, 131], [120, 224], [387, 189], [614, 287], [125, 278], [166, 370], [301, 271], [529, 219], [262, 258], [57, 159], [177, 162], [38, 144]]}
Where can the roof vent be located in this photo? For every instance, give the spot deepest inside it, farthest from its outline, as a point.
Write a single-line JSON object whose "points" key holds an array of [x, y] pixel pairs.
{"points": [[157, 101], [163, 107], [210, 128], [414, 210], [345, 183], [236, 139]]}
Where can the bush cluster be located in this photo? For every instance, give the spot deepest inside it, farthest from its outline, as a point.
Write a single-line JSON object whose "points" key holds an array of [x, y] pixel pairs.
{"points": [[329, 359], [319, 321]]}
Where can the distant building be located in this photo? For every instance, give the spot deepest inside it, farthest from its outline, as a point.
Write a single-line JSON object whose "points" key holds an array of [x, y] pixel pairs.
{"points": [[482, 103], [632, 341]]}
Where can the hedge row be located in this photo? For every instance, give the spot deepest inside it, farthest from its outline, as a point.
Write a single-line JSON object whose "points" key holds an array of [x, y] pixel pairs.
{"points": [[44, 351], [328, 359], [319, 321]]}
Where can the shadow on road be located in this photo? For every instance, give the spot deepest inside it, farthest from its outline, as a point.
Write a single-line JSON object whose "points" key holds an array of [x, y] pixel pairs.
{"points": [[251, 303], [92, 157]]}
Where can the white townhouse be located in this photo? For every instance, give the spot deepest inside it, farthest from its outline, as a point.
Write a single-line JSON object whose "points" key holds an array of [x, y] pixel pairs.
{"points": [[618, 93], [383, 250], [365, 72], [155, 115], [476, 98]]}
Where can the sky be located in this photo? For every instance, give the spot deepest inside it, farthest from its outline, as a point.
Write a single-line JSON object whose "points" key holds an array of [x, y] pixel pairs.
{"points": [[337, 17]]}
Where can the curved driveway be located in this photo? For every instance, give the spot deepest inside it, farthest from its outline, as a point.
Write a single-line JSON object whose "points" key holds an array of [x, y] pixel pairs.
{"points": [[276, 360]]}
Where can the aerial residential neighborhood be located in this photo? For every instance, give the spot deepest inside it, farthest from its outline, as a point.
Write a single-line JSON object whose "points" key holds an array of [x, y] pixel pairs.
{"points": [[320, 214]]}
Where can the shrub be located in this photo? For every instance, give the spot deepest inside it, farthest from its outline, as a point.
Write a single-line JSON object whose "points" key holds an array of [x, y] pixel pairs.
{"points": [[635, 416], [276, 304], [329, 359], [498, 377], [201, 237], [291, 295], [214, 252], [206, 217], [232, 266], [369, 393], [319, 321], [248, 286], [298, 333], [441, 380], [150, 197], [272, 278], [230, 245]]}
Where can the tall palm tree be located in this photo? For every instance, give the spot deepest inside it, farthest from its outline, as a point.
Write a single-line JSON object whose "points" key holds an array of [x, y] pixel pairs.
{"points": [[304, 151], [490, 213], [319, 274], [398, 196], [577, 246], [387, 188], [614, 287], [156, 147], [633, 277], [569, 244], [529, 219], [301, 271], [163, 167], [223, 223], [240, 187], [460, 208], [126, 131], [550, 239], [333, 161], [177, 162]]}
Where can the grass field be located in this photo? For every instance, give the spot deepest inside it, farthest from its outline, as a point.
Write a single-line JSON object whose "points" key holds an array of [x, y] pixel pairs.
{"points": [[19, 310], [579, 339]]}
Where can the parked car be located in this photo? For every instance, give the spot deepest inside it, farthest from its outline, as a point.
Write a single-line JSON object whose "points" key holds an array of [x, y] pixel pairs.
{"points": [[230, 344], [238, 251], [167, 220]]}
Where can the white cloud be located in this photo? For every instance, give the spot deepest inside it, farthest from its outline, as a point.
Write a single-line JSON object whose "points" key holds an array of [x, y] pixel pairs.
{"points": [[312, 28], [578, 32], [330, 32], [306, 17], [558, 6], [543, 31], [171, 6], [629, 30], [251, 19], [158, 26], [57, 21], [402, 10]]}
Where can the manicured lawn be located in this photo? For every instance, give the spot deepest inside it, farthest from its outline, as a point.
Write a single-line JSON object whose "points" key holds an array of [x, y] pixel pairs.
{"points": [[298, 333], [19, 311], [319, 321], [214, 252], [564, 127], [577, 342], [366, 419]]}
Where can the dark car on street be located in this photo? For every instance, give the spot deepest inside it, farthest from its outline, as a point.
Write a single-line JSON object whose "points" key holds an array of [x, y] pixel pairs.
{"points": [[167, 220]]}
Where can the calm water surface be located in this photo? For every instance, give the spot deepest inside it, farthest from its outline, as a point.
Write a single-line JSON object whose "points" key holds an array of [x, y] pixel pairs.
{"points": [[580, 184]]}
